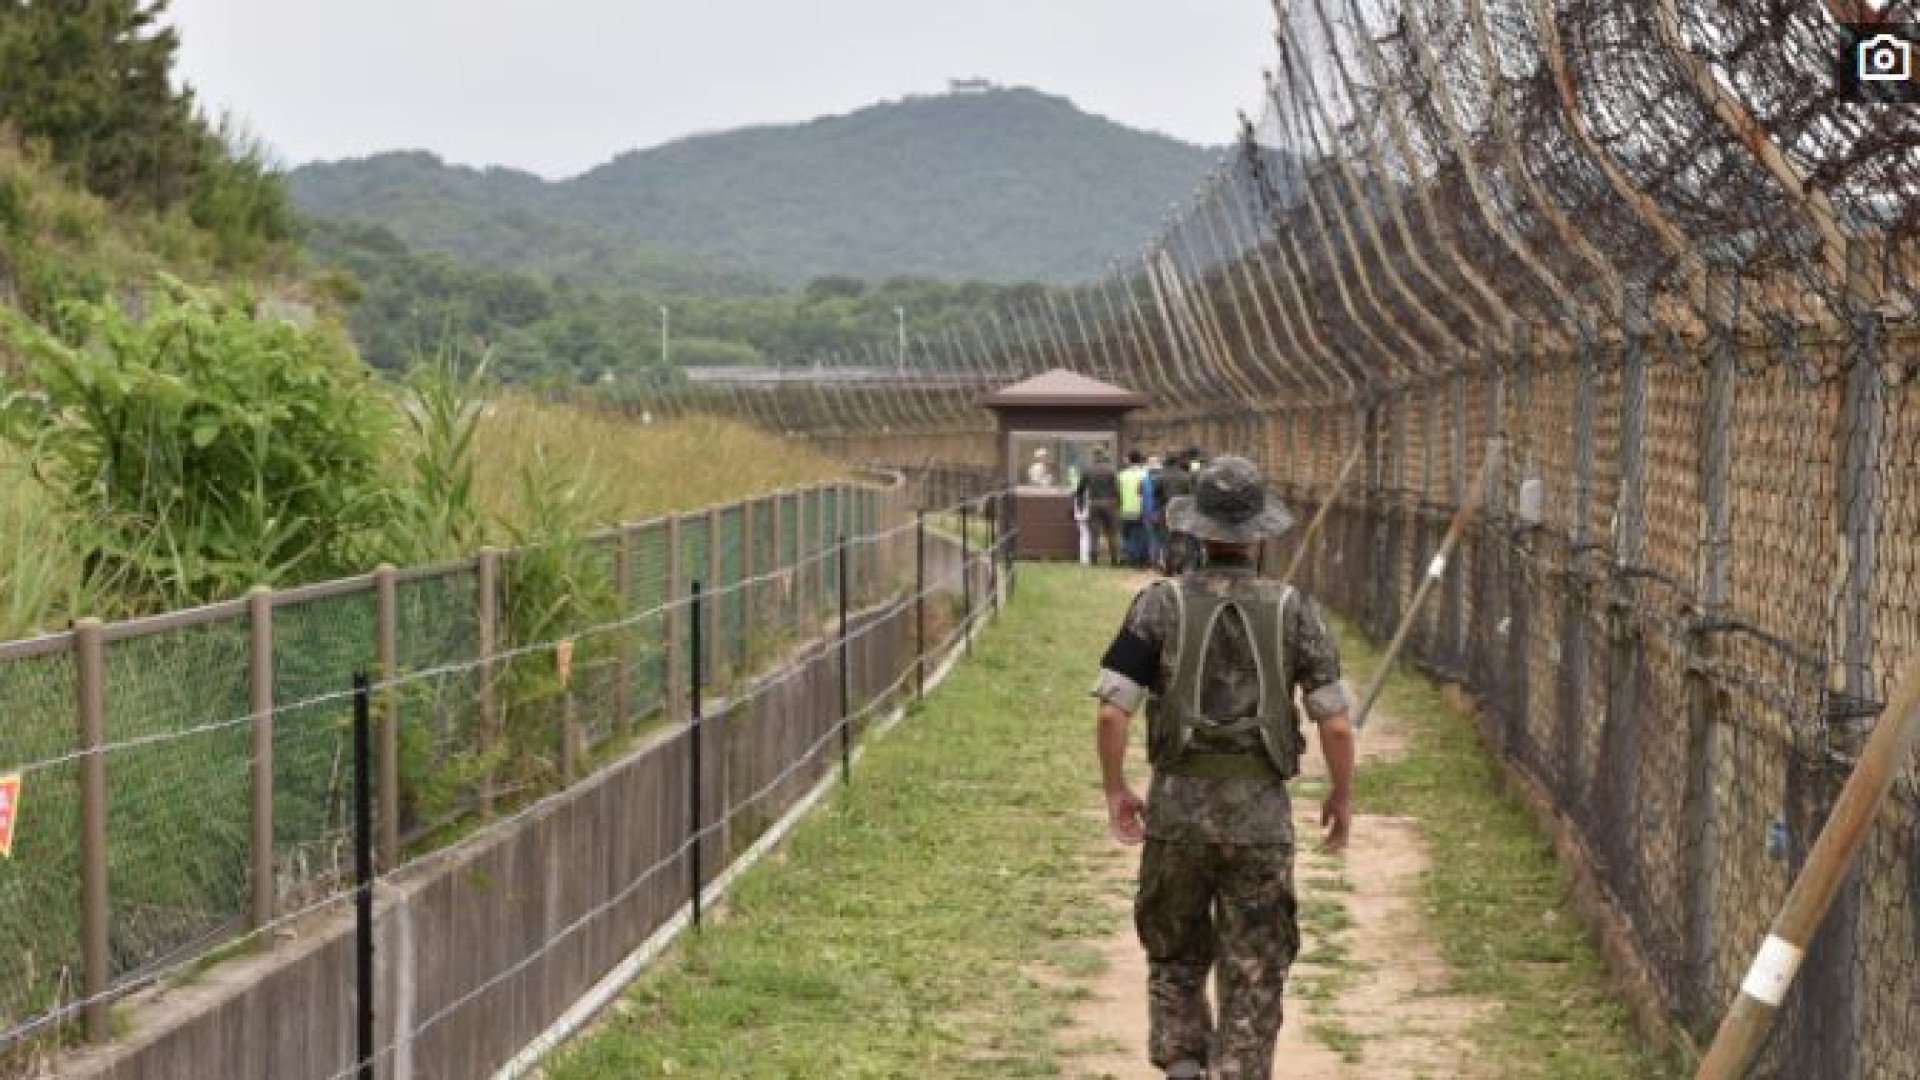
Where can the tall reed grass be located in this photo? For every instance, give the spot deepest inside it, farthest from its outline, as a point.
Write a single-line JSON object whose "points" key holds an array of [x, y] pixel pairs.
{"points": [[629, 471], [41, 561], [518, 450]]}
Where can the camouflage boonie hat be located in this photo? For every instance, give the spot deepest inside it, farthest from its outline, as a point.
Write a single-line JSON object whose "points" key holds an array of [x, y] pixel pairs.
{"points": [[1229, 505]]}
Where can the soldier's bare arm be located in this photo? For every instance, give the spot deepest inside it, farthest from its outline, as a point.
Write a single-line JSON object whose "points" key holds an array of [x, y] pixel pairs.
{"points": [[1316, 672], [1336, 811], [1125, 810], [1130, 668]]}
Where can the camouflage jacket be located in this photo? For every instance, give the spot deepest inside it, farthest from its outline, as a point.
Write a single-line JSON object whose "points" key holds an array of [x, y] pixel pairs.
{"points": [[1196, 809]]}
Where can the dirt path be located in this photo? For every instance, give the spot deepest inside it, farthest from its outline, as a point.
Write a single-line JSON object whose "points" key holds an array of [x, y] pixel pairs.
{"points": [[1368, 997]]}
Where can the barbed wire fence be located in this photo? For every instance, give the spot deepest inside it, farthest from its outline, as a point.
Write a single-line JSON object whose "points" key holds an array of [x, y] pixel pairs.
{"points": [[201, 808], [1647, 265]]}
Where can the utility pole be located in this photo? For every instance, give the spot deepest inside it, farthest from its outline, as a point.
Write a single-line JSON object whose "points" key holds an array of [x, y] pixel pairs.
{"points": [[666, 353], [900, 317]]}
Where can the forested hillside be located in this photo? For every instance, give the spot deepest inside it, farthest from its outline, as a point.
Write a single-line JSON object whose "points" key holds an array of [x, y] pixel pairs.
{"points": [[1004, 185], [562, 331]]}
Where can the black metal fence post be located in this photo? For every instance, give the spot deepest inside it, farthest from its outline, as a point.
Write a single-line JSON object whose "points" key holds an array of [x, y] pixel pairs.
{"points": [[694, 713], [846, 676], [920, 603], [363, 868]]}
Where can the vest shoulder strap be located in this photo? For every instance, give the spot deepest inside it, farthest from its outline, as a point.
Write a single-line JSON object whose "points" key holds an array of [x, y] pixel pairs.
{"points": [[1262, 610]]}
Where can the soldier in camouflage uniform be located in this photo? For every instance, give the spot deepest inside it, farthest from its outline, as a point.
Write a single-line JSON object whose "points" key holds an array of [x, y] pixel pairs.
{"points": [[1217, 656]]}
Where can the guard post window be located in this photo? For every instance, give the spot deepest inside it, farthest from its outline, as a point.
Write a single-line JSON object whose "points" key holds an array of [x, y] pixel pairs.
{"points": [[1054, 461]]}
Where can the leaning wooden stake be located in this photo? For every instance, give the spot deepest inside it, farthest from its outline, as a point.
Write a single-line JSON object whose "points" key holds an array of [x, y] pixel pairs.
{"points": [[1320, 516], [1436, 570], [1744, 1029]]}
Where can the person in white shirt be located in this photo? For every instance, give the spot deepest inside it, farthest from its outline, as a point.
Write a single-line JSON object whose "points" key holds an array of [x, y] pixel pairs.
{"points": [[1040, 474]]}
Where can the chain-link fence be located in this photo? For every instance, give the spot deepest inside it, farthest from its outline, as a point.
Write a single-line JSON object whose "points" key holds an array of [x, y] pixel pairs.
{"points": [[187, 778], [1655, 626]]}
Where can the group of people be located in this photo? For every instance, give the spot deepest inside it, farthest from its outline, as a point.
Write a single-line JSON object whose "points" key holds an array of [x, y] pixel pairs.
{"points": [[1126, 510]]}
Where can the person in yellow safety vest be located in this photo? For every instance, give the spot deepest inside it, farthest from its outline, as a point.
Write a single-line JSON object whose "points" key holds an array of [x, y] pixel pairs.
{"points": [[1133, 530]]}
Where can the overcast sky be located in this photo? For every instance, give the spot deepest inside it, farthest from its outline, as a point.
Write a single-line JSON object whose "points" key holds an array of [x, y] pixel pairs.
{"points": [[559, 86]]}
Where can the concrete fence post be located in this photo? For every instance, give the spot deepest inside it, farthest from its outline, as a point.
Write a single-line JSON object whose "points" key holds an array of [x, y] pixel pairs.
{"points": [[1714, 567], [1457, 582], [260, 701], [1832, 1008], [1521, 551], [1399, 533], [1575, 613], [90, 670]]}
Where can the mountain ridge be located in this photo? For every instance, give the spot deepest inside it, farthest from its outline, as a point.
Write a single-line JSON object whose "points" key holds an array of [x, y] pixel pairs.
{"points": [[1002, 184]]}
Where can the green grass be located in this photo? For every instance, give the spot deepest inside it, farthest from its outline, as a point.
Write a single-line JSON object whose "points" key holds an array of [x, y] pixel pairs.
{"points": [[924, 922], [1329, 968], [1497, 898], [935, 920]]}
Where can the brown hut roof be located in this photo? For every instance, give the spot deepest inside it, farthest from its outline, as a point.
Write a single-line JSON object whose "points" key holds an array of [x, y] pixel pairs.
{"points": [[1061, 387]]}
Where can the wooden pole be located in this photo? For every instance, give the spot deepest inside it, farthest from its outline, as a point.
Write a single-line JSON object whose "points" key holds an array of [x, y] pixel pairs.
{"points": [[260, 696], [488, 572], [1320, 516], [387, 752], [90, 669], [1744, 1029], [1435, 571]]}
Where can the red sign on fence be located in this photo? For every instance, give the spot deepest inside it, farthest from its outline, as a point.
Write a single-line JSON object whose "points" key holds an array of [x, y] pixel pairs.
{"points": [[9, 812]]}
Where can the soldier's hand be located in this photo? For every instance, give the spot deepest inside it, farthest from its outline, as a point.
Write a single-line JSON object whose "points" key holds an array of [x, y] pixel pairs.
{"points": [[1336, 819], [1124, 817]]}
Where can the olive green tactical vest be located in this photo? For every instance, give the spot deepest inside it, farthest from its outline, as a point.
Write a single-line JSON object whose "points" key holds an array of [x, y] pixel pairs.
{"points": [[1176, 714]]}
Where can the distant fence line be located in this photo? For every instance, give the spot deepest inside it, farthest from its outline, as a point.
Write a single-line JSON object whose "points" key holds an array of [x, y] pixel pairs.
{"points": [[187, 776]]}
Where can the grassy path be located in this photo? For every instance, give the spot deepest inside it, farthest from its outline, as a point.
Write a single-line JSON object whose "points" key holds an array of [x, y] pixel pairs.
{"points": [[960, 913], [1496, 901], [929, 922]]}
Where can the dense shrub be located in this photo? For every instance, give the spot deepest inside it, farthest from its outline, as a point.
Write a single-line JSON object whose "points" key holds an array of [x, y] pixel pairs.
{"points": [[216, 448]]}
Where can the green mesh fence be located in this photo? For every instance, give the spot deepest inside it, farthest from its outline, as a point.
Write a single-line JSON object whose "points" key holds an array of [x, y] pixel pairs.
{"points": [[437, 626], [316, 642], [830, 511], [789, 557], [179, 728], [813, 578], [647, 643], [695, 549], [595, 690], [730, 629], [178, 833], [765, 626], [39, 912]]}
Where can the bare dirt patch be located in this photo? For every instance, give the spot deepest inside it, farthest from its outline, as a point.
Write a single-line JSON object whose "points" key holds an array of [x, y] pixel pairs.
{"points": [[1370, 995]]}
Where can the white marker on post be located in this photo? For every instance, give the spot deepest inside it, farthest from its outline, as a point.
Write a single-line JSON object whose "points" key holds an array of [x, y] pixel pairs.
{"points": [[1772, 971]]}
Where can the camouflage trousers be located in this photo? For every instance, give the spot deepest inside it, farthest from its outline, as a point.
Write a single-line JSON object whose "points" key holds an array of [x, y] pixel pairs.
{"points": [[1228, 910]]}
